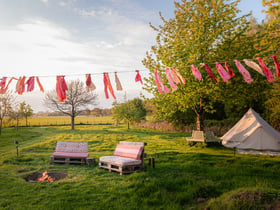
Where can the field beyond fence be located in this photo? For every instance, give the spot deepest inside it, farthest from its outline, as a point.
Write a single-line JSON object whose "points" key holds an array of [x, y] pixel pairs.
{"points": [[60, 120]]}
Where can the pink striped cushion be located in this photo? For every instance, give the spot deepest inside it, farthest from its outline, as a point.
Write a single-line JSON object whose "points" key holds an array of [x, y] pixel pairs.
{"points": [[129, 151]]}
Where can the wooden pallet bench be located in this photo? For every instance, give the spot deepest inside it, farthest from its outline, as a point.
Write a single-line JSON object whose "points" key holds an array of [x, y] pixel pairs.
{"points": [[200, 136], [128, 157], [210, 137], [70, 152], [197, 136]]}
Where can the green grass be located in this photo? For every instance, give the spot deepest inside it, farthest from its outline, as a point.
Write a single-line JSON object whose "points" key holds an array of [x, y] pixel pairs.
{"points": [[184, 177]]}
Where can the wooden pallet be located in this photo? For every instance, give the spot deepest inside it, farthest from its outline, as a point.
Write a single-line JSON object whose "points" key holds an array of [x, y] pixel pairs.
{"points": [[70, 153], [200, 136], [121, 169], [125, 169], [68, 160]]}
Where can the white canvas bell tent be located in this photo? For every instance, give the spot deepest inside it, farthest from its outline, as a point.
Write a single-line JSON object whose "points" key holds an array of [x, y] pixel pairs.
{"points": [[252, 134]]}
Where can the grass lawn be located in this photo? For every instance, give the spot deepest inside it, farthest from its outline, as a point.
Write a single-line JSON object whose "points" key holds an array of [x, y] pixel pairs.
{"points": [[184, 176]]}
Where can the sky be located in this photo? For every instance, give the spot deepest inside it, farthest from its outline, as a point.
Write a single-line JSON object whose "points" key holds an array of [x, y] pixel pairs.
{"points": [[46, 38]]}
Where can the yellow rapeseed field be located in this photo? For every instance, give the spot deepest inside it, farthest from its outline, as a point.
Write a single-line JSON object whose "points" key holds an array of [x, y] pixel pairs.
{"points": [[59, 120]]}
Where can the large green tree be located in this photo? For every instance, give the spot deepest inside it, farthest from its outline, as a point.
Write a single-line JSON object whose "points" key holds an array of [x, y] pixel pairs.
{"points": [[237, 95], [193, 36], [272, 26], [272, 42], [131, 111]]}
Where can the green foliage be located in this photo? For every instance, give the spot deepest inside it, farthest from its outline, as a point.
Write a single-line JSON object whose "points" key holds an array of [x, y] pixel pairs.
{"points": [[196, 35], [272, 106], [271, 39], [272, 27], [131, 111]]}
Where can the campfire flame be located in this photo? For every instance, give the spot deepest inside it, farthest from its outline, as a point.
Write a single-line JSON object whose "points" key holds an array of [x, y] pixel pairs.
{"points": [[46, 177]]}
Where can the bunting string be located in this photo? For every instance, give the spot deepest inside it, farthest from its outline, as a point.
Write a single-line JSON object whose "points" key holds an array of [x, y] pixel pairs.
{"points": [[173, 77]]}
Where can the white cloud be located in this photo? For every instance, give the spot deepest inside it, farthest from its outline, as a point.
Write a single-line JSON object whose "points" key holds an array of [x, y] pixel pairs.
{"points": [[38, 47], [62, 3], [100, 12], [45, 1], [93, 39]]}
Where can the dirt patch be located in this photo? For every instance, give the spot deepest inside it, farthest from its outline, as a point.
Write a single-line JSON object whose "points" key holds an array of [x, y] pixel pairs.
{"points": [[249, 196], [267, 199], [33, 177]]}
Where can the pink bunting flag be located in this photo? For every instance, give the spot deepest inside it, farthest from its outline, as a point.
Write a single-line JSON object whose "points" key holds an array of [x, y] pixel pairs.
{"points": [[30, 84], [138, 77], [231, 74], [196, 73], [170, 79], [160, 83], [118, 83], [3, 82], [108, 85], [223, 73], [39, 84], [20, 87], [4, 89], [277, 65], [244, 72], [177, 77], [210, 73], [266, 71], [61, 88]]}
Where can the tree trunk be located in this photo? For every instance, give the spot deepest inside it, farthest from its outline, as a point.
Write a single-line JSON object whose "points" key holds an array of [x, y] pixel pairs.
{"points": [[72, 122], [199, 122], [127, 124], [200, 116], [26, 121]]}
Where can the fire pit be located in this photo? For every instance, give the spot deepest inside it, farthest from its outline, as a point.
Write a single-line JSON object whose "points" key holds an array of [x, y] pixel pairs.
{"points": [[46, 176]]}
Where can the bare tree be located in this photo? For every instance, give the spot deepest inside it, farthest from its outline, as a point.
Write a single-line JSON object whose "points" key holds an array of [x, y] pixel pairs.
{"points": [[78, 98], [15, 115], [6, 101]]}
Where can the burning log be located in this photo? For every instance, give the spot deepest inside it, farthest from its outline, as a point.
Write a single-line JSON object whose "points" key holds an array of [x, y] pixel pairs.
{"points": [[41, 176], [45, 177]]}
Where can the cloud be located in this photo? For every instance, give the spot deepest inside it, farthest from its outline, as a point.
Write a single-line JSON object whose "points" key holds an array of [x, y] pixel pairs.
{"points": [[105, 40], [45, 1], [62, 3], [101, 12], [35, 44], [38, 47]]}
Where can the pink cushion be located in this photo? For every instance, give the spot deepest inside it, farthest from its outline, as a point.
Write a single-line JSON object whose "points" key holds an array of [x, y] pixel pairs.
{"points": [[74, 155], [129, 151], [67, 146]]}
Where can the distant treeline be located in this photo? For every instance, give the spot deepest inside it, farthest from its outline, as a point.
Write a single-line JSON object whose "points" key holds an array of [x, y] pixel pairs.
{"points": [[96, 112]]}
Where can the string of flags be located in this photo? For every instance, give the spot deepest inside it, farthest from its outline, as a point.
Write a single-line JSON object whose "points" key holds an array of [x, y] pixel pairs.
{"points": [[61, 85], [173, 76], [225, 74]]}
